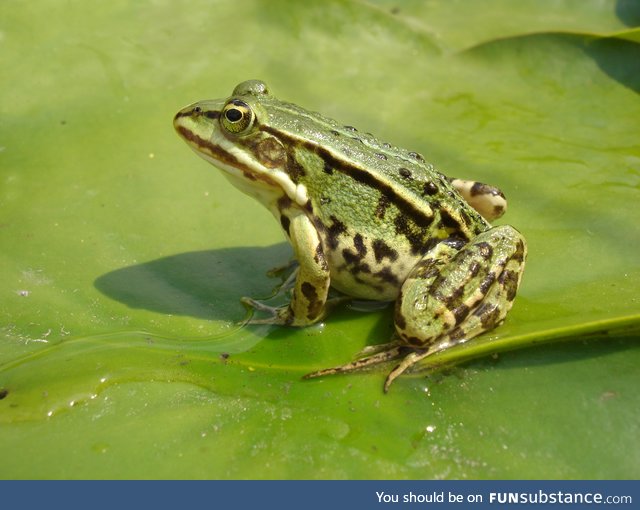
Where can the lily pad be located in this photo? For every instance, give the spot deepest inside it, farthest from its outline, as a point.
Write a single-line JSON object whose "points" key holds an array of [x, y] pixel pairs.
{"points": [[124, 256]]}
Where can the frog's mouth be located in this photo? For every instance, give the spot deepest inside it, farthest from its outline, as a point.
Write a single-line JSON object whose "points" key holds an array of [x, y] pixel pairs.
{"points": [[244, 172], [214, 152]]}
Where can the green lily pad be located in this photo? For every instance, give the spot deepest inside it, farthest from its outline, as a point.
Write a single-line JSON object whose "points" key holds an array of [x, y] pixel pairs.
{"points": [[124, 256]]}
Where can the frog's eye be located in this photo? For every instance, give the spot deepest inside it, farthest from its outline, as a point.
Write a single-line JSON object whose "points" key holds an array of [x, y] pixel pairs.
{"points": [[236, 116]]}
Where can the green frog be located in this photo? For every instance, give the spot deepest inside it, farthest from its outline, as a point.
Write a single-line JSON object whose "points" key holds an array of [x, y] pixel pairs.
{"points": [[372, 220]]}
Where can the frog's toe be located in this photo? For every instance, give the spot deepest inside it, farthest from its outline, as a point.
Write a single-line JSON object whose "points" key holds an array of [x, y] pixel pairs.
{"points": [[407, 362], [258, 305], [360, 364], [369, 350], [278, 315]]}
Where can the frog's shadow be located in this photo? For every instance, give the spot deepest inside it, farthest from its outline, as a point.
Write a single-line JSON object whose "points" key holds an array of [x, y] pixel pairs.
{"points": [[204, 284]]}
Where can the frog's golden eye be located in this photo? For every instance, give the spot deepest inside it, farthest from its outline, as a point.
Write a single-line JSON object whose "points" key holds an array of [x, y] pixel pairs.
{"points": [[237, 116]]}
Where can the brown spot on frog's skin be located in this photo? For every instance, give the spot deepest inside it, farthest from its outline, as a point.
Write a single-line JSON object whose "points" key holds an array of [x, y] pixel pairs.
{"points": [[484, 250], [285, 222], [3, 393], [451, 299], [336, 229], [480, 188], [398, 318], [327, 169], [487, 283], [294, 169], [382, 250], [449, 221], [386, 275], [427, 268], [271, 153], [404, 172], [488, 313], [414, 341], [383, 157], [320, 259], [381, 208], [315, 305], [518, 255], [309, 291], [284, 202], [358, 242], [460, 312], [351, 257], [354, 258], [457, 334], [468, 221], [413, 235], [360, 267], [429, 188], [509, 280]]}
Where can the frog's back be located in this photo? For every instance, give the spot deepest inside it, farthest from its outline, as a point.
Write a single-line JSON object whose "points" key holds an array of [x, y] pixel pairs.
{"points": [[346, 169], [378, 208]]}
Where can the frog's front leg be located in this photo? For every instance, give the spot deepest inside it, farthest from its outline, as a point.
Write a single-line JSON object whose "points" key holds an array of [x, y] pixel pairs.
{"points": [[309, 294], [457, 295]]}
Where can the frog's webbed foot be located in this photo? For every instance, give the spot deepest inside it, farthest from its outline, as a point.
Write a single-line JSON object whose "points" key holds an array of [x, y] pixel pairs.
{"points": [[359, 364], [279, 315], [284, 315], [407, 362], [391, 352], [383, 353]]}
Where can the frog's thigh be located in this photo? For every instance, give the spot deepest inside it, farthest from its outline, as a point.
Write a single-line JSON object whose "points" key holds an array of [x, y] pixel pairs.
{"points": [[471, 292], [312, 282], [488, 200]]}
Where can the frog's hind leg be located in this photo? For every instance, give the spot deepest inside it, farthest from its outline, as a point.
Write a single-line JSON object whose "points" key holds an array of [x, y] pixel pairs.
{"points": [[449, 299]]}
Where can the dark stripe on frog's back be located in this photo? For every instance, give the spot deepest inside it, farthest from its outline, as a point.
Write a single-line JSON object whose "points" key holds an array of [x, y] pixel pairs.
{"points": [[410, 174]]}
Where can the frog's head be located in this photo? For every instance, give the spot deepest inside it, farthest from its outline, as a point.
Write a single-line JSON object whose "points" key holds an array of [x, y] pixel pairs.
{"points": [[233, 135]]}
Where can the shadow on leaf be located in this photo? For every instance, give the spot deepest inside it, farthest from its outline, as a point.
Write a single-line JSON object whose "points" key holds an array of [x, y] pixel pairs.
{"points": [[619, 59], [203, 284], [628, 11]]}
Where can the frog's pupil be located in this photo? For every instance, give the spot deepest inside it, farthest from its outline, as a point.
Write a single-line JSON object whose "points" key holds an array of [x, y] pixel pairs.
{"points": [[233, 115]]}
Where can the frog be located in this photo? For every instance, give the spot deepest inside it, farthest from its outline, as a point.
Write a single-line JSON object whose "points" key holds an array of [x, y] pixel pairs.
{"points": [[367, 219]]}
